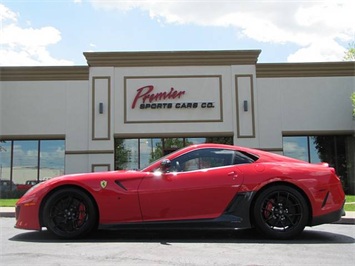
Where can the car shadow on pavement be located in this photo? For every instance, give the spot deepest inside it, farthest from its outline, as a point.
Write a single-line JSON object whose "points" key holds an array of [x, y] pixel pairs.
{"points": [[166, 237]]}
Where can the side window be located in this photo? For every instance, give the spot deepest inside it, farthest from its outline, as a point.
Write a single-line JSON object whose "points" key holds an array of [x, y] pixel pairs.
{"points": [[242, 158], [202, 159]]}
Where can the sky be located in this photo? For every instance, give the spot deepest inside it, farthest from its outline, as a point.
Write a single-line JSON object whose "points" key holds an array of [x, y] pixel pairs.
{"points": [[25, 153], [58, 32]]}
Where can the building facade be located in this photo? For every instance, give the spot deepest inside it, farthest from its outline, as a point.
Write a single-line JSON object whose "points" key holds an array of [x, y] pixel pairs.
{"points": [[126, 109]]}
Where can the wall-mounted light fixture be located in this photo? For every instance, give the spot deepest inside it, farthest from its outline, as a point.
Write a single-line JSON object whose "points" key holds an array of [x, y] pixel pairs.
{"points": [[245, 106], [101, 108]]}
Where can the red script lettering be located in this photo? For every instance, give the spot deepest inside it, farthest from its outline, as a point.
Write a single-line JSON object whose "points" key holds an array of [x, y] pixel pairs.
{"points": [[145, 94]]}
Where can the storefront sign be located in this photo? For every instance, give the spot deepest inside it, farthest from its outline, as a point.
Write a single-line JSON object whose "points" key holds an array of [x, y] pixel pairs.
{"points": [[173, 99]]}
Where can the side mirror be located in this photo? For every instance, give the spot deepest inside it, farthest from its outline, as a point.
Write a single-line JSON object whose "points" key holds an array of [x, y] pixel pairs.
{"points": [[165, 165]]}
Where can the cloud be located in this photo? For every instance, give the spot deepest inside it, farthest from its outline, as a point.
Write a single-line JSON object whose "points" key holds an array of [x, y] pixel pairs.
{"points": [[25, 154], [292, 149], [318, 28], [26, 46], [7, 14], [321, 50]]}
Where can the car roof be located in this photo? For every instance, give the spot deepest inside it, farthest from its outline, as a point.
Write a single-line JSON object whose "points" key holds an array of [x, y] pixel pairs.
{"points": [[263, 156]]}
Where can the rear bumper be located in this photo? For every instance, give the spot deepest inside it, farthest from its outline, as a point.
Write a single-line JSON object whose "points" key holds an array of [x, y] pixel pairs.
{"points": [[329, 217]]}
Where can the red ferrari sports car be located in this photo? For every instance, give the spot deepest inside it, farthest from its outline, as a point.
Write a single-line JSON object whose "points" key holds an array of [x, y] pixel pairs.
{"points": [[202, 186]]}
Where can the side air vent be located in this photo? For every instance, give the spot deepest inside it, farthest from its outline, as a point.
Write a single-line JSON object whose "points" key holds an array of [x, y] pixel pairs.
{"points": [[120, 185], [325, 199]]}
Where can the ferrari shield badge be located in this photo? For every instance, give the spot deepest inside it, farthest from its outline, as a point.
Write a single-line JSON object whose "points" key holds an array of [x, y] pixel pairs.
{"points": [[103, 183]]}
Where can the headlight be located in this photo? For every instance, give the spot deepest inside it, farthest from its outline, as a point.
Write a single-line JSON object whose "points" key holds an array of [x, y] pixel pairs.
{"points": [[34, 187]]}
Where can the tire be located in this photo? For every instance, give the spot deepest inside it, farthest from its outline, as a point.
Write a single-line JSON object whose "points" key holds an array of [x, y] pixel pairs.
{"points": [[280, 212], [70, 213]]}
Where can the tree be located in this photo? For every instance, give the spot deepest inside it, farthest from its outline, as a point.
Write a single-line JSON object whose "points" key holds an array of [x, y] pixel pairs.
{"points": [[1, 147], [353, 101], [220, 140], [122, 155], [170, 144], [350, 56], [350, 53], [332, 150]]}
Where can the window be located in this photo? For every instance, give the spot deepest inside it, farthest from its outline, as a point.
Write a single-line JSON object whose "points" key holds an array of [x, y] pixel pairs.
{"points": [[296, 147], [51, 158], [207, 158], [26, 160], [126, 154], [241, 158], [139, 153], [5, 160]]}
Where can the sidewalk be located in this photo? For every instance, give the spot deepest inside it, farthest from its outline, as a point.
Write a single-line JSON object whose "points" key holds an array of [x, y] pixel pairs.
{"points": [[349, 218], [7, 212]]}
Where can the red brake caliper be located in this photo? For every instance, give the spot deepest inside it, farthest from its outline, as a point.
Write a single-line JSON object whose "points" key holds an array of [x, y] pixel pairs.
{"points": [[268, 209]]}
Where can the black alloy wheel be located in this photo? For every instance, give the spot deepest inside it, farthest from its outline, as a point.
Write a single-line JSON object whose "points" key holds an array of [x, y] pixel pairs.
{"points": [[70, 213], [280, 212]]}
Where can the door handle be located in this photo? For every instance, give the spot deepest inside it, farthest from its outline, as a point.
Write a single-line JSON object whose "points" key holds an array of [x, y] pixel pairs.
{"points": [[234, 174]]}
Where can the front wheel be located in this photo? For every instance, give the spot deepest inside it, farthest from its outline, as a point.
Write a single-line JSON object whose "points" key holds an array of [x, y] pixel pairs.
{"points": [[70, 213], [280, 212]]}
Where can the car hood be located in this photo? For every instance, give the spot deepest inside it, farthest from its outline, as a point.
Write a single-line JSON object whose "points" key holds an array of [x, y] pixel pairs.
{"points": [[86, 180]]}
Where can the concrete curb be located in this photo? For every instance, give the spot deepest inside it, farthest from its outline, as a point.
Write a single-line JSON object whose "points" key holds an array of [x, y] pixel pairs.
{"points": [[345, 220], [7, 214], [349, 218]]}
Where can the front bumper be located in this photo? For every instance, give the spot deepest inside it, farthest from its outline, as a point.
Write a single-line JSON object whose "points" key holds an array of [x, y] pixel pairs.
{"points": [[27, 217]]}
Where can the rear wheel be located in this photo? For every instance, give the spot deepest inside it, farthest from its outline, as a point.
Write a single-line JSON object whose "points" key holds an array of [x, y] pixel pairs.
{"points": [[280, 212], [70, 213]]}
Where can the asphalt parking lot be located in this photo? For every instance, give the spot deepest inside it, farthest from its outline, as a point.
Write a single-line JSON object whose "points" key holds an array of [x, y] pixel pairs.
{"points": [[331, 244]]}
